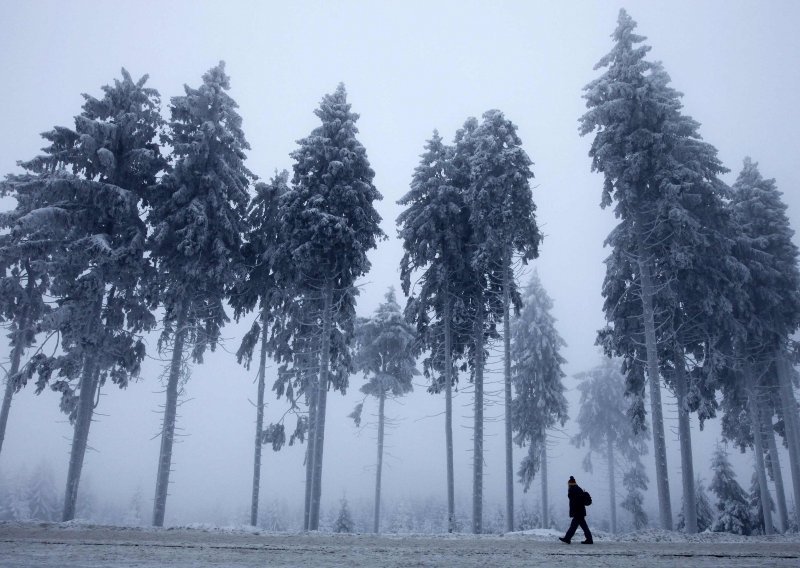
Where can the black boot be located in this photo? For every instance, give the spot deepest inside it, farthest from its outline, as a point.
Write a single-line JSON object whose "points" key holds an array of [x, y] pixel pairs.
{"points": [[587, 542], [564, 540]]}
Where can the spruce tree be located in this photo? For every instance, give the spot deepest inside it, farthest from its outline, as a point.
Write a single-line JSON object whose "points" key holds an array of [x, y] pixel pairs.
{"points": [[23, 286], [328, 225], [344, 521], [482, 303], [603, 426], [80, 201], [259, 289], [773, 313], [635, 482], [539, 402], [503, 229], [434, 229], [198, 216], [42, 494], [384, 353], [733, 510], [671, 279], [705, 513]]}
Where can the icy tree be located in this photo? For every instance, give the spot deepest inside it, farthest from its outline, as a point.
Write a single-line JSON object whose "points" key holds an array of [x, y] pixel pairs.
{"points": [[733, 510], [22, 305], [134, 515], [79, 204], [328, 224], [384, 352], [705, 513], [434, 229], [295, 344], [604, 426], [774, 470], [198, 219], [481, 295], [747, 422], [635, 482], [42, 494], [773, 314], [470, 214], [503, 229], [536, 375], [662, 310], [259, 289], [758, 505], [15, 505], [344, 521]]}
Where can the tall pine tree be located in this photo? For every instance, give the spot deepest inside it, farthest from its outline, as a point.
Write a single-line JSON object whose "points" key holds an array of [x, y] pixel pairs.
{"points": [[434, 229], [81, 202], [671, 278], [328, 225], [503, 229], [482, 301], [198, 218], [539, 402], [23, 285], [384, 352], [773, 289], [260, 290]]}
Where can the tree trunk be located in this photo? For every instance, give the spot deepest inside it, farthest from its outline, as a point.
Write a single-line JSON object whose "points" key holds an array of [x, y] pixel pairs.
{"points": [[659, 441], [790, 422], [685, 436], [322, 398], [507, 376], [376, 525], [543, 475], [777, 475], [448, 417], [262, 369], [168, 423], [612, 492], [80, 436], [477, 465], [16, 357], [312, 438], [758, 454]]}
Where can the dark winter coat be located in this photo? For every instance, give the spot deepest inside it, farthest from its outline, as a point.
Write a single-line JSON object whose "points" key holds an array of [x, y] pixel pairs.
{"points": [[576, 506]]}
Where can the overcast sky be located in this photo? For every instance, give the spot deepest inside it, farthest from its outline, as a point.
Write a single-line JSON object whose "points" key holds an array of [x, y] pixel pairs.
{"points": [[409, 67]]}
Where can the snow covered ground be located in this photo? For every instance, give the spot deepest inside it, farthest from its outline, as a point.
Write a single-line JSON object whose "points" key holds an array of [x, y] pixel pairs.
{"points": [[24, 545]]}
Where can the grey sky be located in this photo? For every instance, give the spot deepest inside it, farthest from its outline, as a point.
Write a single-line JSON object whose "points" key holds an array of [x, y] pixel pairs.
{"points": [[409, 67]]}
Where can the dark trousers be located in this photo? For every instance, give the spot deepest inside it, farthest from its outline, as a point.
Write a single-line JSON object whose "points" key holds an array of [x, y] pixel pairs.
{"points": [[578, 522]]}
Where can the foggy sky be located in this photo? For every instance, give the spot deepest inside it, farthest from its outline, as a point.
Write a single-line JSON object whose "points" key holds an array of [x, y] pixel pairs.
{"points": [[409, 67]]}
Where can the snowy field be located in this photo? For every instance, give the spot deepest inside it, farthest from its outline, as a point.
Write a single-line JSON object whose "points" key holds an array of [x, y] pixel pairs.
{"points": [[24, 545]]}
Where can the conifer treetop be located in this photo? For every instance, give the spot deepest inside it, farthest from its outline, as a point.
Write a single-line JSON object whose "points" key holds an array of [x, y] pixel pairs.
{"points": [[331, 220], [200, 208]]}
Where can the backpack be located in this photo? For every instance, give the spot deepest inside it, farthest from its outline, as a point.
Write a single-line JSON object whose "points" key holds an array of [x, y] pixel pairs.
{"points": [[587, 499]]}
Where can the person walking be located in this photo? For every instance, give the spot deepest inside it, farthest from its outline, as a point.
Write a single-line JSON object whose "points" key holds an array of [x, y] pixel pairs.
{"points": [[577, 510]]}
